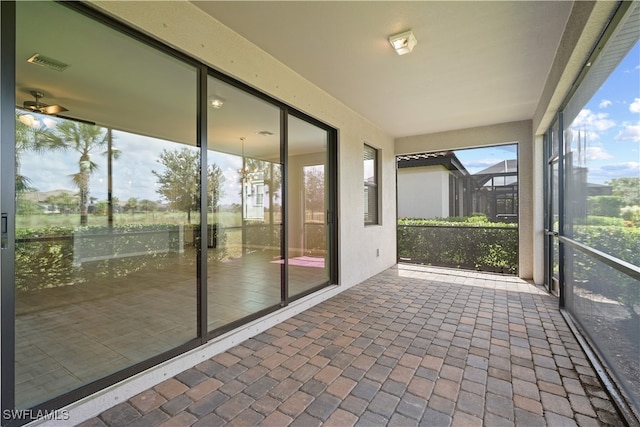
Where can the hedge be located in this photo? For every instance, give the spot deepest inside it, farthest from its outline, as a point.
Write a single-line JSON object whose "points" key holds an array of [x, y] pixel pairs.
{"points": [[49, 257], [476, 245]]}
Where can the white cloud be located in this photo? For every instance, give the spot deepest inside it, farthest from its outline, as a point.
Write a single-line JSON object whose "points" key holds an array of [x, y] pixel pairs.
{"points": [[630, 132], [582, 135], [597, 153], [476, 165], [604, 103], [49, 173], [480, 163], [592, 121], [634, 107], [628, 168], [614, 170], [591, 136]]}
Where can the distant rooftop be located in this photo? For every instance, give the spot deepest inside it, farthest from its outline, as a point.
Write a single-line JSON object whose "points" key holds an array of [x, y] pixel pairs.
{"points": [[503, 166], [41, 196], [447, 159]]}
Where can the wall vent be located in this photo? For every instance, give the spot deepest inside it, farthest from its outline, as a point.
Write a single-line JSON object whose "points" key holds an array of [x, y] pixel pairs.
{"points": [[47, 62]]}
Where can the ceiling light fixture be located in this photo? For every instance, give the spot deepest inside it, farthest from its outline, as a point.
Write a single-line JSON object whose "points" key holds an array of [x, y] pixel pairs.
{"points": [[41, 108], [31, 121], [403, 42], [216, 102]]}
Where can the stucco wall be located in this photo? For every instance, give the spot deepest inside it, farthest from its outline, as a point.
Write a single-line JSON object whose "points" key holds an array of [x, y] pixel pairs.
{"points": [[423, 192], [183, 26], [504, 133]]}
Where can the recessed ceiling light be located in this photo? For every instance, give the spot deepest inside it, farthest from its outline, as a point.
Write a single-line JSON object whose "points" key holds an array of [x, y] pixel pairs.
{"points": [[403, 42], [215, 101]]}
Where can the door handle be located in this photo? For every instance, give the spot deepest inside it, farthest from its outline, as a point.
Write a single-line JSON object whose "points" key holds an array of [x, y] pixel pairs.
{"points": [[4, 231]]}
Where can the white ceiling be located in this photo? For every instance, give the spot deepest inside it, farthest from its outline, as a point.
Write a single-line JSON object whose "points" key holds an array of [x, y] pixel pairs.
{"points": [[476, 63]]}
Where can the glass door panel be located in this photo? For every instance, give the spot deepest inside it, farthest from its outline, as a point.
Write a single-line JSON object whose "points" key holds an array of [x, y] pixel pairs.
{"points": [[553, 214], [244, 251], [105, 263], [307, 178], [555, 246]]}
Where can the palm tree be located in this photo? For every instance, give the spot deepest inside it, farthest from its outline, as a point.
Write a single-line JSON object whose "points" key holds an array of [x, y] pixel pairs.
{"points": [[85, 139], [29, 137]]}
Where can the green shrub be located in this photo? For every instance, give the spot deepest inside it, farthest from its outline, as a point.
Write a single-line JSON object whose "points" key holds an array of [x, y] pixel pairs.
{"points": [[620, 242], [631, 214], [470, 245], [587, 272], [595, 220], [49, 257], [478, 218], [461, 221], [604, 205]]}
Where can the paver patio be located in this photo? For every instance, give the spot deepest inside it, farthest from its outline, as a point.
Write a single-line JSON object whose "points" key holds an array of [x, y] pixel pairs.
{"points": [[410, 346]]}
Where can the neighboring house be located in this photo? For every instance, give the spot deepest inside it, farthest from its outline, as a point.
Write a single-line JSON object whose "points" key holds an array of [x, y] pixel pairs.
{"points": [[577, 185], [253, 197], [41, 197], [599, 189], [431, 185], [437, 185], [496, 191]]}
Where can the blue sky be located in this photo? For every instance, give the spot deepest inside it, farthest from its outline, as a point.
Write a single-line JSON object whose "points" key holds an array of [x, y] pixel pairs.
{"points": [[610, 120], [132, 171], [477, 159], [132, 175]]}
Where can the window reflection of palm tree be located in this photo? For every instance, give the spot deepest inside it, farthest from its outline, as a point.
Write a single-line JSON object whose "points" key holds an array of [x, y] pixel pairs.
{"points": [[84, 139], [29, 137]]}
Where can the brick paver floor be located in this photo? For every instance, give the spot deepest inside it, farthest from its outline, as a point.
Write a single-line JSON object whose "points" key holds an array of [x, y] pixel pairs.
{"points": [[412, 346]]}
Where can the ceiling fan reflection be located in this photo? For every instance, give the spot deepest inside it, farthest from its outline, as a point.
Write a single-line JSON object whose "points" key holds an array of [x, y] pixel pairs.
{"points": [[38, 107]]}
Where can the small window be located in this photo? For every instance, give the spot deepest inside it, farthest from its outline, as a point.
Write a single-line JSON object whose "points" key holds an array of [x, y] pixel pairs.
{"points": [[370, 185]]}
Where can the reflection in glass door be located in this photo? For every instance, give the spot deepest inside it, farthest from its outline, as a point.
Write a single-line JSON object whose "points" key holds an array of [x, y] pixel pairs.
{"points": [[307, 256], [244, 260], [104, 267], [555, 190], [552, 218], [554, 225], [105, 257]]}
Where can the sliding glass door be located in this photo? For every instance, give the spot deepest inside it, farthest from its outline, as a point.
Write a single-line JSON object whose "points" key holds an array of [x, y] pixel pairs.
{"points": [[158, 203], [307, 205], [245, 203], [106, 190]]}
